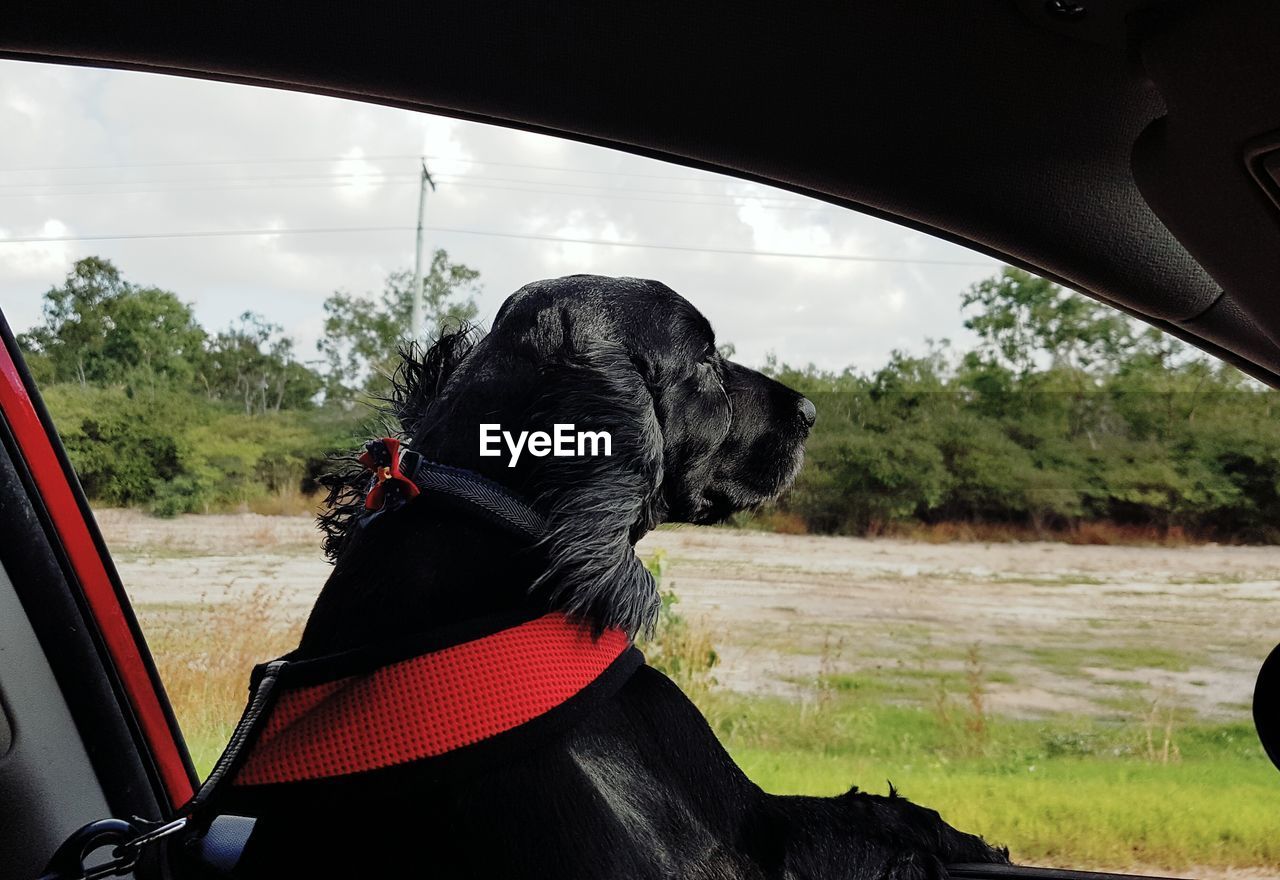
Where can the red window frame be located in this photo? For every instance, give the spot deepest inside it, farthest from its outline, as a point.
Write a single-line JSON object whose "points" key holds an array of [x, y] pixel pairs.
{"points": [[108, 607]]}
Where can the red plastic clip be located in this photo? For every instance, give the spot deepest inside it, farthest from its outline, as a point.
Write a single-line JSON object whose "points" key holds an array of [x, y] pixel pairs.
{"points": [[385, 465]]}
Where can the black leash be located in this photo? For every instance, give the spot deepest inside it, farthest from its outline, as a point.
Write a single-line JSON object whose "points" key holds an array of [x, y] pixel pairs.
{"points": [[130, 838]]}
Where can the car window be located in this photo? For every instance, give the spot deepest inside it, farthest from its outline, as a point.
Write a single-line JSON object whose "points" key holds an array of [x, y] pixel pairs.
{"points": [[1027, 573]]}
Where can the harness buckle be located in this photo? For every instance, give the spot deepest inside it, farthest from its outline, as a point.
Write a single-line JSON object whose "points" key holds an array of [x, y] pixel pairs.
{"points": [[383, 459]]}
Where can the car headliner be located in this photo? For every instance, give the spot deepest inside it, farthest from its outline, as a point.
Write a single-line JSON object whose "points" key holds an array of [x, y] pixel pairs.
{"points": [[1006, 125]]}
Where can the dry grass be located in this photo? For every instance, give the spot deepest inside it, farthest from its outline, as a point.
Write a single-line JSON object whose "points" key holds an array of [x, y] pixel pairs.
{"points": [[1087, 533], [205, 651], [779, 521], [679, 647], [286, 503], [965, 722], [1158, 727], [1141, 779], [1105, 533]]}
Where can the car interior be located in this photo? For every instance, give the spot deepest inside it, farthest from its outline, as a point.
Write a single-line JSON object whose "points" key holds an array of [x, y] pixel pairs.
{"points": [[1128, 149]]}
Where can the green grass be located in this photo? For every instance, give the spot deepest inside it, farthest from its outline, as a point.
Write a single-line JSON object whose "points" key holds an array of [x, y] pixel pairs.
{"points": [[1067, 811], [206, 744], [903, 684], [1069, 790], [1071, 659]]}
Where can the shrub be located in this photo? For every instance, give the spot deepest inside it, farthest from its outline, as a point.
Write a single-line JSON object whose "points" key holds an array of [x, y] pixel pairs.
{"points": [[173, 452], [680, 648]]}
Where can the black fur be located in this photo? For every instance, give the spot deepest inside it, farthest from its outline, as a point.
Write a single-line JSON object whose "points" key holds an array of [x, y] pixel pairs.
{"points": [[640, 787]]}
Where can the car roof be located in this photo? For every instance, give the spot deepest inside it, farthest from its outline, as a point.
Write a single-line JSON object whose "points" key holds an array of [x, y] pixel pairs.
{"points": [[1042, 132]]}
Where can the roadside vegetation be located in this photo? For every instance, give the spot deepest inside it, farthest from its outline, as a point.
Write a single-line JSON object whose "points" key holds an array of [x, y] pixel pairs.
{"points": [[1065, 420], [160, 413], [1147, 787], [1155, 789]]}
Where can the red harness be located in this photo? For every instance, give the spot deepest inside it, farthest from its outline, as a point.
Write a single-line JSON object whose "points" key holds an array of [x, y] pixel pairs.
{"points": [[427, 705], [444, 701]]}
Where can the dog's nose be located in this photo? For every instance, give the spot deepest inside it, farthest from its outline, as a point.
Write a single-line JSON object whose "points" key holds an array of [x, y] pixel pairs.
{"points": [[808, 411]]}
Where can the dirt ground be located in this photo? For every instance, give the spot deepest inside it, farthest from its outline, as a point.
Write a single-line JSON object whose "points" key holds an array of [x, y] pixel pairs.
{"points": [[1054, 627]]}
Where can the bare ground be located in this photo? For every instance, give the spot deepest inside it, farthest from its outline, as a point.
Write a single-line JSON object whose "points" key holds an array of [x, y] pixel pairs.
{"points": [[1087, 629], [1057, 627]]}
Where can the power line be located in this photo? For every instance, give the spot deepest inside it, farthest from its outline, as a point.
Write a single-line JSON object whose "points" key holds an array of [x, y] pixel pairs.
{"points": [[718, 200], [706, 176], [223, 233], [354, 180], [318, 175], [290, 160], [728, 200], [282, 160], [341, 180], [335, 180], [602, 186], [377, 177]]}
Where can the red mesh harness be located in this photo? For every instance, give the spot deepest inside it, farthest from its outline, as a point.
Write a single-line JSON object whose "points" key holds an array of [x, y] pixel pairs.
{"points": [[427, 705], [446, 700]]}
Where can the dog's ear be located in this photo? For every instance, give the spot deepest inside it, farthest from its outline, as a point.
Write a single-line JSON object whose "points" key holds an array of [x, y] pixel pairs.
{"points": [[415, 385], [597, 506], [421, 376]]}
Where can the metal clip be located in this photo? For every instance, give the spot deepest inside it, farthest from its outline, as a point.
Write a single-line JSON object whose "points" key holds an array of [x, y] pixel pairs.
{"points": [[68, 862]]}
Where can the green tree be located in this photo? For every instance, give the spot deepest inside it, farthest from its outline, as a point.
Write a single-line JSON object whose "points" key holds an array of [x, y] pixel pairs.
{"points": [[1020, 317], [252, 363], [1065, 413], [99, 328], [363, 333]]}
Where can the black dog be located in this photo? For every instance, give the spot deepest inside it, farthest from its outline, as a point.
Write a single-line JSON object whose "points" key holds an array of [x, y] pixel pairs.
{"points": [[639, 787]]}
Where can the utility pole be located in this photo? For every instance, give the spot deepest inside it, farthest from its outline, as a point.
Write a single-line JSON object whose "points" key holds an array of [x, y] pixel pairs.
{"points": [[415, 321]]}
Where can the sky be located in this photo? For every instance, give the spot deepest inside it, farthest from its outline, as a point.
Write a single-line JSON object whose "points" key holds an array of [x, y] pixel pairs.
{"points": [[91, 154]]}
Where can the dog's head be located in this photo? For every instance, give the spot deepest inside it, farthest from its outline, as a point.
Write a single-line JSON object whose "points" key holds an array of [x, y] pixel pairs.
{"points": [[693, 437]]}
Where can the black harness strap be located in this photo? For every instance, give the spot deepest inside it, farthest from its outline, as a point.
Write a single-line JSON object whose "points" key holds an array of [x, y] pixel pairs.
{"points": [[483, 497], [398, 475]]}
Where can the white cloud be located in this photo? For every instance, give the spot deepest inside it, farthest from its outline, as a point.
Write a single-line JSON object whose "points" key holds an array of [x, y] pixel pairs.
{"points": [[145, 135], [34, 262]]}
